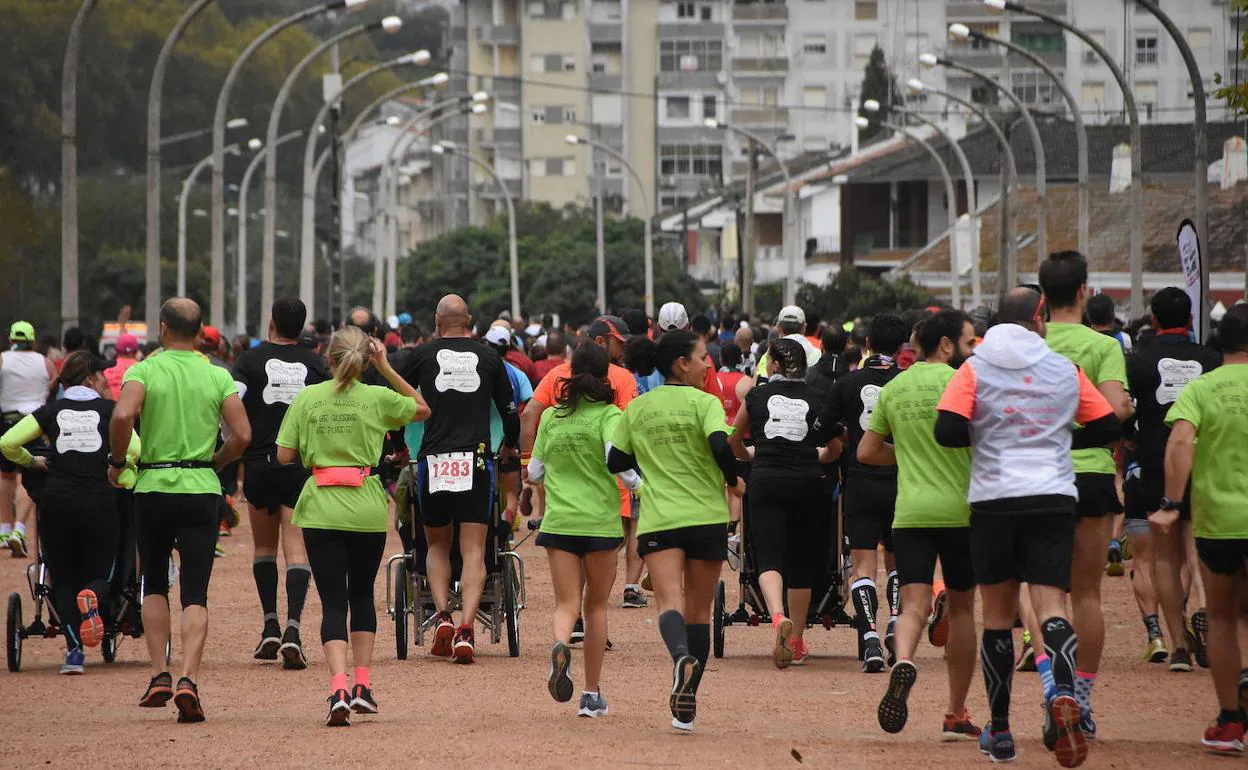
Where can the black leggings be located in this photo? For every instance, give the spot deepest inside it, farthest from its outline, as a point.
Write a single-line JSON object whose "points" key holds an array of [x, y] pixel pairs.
{"points": [[78, 531], [187, 522], [345, 565], [783, 521]]}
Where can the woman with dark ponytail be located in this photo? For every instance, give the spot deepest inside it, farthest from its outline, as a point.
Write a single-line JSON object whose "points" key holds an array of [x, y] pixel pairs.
{"points": [[676, 436], [582, 530]]}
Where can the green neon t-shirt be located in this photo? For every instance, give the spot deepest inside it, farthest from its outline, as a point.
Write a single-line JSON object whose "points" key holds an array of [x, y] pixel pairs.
{"points": [[582, 497], [1101, 359], [1216, 403], [932, 480], [343, 430], [666, 430], [180, 419]]}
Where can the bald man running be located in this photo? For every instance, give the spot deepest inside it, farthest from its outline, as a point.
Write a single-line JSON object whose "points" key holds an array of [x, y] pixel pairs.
{"points": [[459, 378]]}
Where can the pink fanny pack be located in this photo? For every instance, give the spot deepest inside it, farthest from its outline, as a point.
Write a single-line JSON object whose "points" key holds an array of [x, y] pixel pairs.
{"points": [[341, 476]]}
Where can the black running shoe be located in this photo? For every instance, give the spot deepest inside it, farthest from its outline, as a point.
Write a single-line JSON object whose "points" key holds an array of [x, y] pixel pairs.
{"points": [[1200, 632], [186, 698], [893, 711], [292, 651], [890, 642], [362, 700], [270, 642], [578, 631], [559, 683], [872, 657], [684, 699], [339, 709], [159, 692]]}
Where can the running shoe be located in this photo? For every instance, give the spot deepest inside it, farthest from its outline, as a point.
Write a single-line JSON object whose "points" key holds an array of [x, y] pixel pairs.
{"points": [[224, 529], [782, 652], [17, 544], [559, 682], [801, 653], [1048, 733], [890, 641], [270, 642], [1200, 632], [218, 551], [1070, 745], [526, 501], [443, 636], [872, 657], [938, 626], [186, 698], [462, 650], [1087, 725], [1181, 661], [1027, 659], [4, 538], [684, 699], [959, 728], [578, 631], [293, 658], [634, 599], [1243, 689], [893, 711], [1114, 562], [74, 662], [1156, 651], [592, 705], [159, 692], [91, 630], [1128, 553], [362, 700], [339, 709], [998, 746], [1225, 739]]}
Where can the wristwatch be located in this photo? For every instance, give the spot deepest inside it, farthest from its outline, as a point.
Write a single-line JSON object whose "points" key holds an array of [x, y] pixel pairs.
{"points": [[115, 464], [1170, 505]]}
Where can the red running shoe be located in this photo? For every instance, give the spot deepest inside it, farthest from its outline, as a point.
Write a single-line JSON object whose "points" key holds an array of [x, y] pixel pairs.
{"points": [[463, 649], [1224, 738], [938, 627], [1071, 745], [91, 630], [443, 634]]}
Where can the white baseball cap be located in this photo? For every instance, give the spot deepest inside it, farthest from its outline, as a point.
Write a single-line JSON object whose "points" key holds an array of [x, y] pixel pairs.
{"points": [[791, 314], [673, 316], [498, 335]]}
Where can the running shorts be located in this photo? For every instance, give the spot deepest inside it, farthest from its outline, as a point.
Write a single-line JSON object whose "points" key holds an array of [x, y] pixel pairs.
{"points": [[916, 549], [270, 487], [577, 545], [474, 506], [1222, 557], [868, 503], [1150, 488], [705, 542], [190, 522], [1027, 547], [1098, 495], [783, 528]]}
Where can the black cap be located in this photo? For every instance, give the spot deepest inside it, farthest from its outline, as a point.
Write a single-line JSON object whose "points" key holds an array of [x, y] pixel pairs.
{"points": [[609, 326], [636, 321]]}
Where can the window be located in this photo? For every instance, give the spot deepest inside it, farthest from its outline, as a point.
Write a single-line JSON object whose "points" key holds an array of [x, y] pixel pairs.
{"points": [[984, 94], [677, 107], [863, 44], [763, 96], [1146, 49], [815, 45], [705, 13], [1146, 99], [536, 9], [537, 63], [554, 167], [568, 10], [686, 10], [537, 115], [978, 44], [762, 45], [1199, 38], [569, 114], [607, 109], [1089, 55], [598, 65], [605, 10], [814, 96], [537, 167], [695, 159], [1040, 42], [1033, 87], [710, 106], [691, 55], [569, 63], [1092, 93], [866, 10]]}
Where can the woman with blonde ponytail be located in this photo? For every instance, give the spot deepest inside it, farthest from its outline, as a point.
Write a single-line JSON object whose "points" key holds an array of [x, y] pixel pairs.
{"points": [[336, 428]]}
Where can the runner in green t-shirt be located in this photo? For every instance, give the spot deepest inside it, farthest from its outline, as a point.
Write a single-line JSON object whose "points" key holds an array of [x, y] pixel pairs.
{"points": [[676, 435], [336, 429], [1208, 424], [582, 530], [932, 520]]}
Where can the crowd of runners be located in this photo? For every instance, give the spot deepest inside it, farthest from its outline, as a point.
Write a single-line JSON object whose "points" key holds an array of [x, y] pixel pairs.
{"points": [[1026, 451]]}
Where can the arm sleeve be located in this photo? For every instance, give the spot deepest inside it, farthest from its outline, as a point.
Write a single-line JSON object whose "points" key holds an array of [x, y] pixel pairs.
{"points": [[959, 395], [952, 430], [503, 401], [13, 442], [1092, 405], [1100, 432], [619, 461], [723, 455]]}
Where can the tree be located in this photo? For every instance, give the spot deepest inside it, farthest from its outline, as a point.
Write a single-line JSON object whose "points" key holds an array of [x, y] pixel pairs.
{"points": [[853, 294], [1236, 95], [878, 83]]}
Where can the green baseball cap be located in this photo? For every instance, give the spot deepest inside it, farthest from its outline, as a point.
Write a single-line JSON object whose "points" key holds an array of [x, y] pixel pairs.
{"points": [[22, 331]]}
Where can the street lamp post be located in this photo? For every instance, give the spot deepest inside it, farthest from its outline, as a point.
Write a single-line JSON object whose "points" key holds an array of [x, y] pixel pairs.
{"points": [[69, 168], [154, 143], [449, 148], [1007, 262], [1133, 115], [188, 185], [240, 299], [963, 32], [390, 25], [789, 237], [1042, 210], [216, 312]]}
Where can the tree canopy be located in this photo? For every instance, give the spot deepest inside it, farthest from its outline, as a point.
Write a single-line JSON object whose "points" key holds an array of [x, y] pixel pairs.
{"points": [[1236, 94], [878, 83]]}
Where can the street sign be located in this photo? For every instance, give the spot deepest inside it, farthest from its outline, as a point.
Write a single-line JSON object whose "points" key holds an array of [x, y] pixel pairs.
{"points": [[1189, 260]]}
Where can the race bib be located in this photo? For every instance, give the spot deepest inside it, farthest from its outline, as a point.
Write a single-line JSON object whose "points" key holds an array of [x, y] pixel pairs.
{"points": [[1173, 377], [786, 418], [457, 371], [79, 432], [870, 396], [450, 472], [285, 380]]}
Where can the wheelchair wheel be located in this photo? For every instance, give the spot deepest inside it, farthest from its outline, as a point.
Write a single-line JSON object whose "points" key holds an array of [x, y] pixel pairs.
{"points": [[401, 585], [718, 615], [511, 608], [108, 647], [13, 633]]}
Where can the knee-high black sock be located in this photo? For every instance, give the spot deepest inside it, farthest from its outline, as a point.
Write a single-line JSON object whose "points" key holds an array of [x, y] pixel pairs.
{"points": [[866, 604], [264, 569], [699, 647], [1062, 647], [894, 594], [996, 656], [675, 633], [298, 576]]}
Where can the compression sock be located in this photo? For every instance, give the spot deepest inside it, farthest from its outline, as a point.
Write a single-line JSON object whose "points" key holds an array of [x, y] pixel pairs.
{"points": [[298, 577], [337, 682], [1154, 627], [866, 602], [1044, 667], [674, 632], [894, 594], [699, 647], [363, 676], [1083, 690], [264, 569], [996, 657], [1062, 647]]}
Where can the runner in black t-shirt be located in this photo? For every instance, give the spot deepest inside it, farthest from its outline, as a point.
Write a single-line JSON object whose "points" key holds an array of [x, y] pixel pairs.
{"points": [[269, 377], [870, 491], [460, 378]]}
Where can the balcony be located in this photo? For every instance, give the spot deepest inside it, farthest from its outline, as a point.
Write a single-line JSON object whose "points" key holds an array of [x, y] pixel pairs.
{"points": [[495, 137], [606, 33], [760, 12], [764, 66], [683, 30], [488, 188], [979, 57], [601, 81], [759, 116], [702, 80], [961, 10], [499, 34]]}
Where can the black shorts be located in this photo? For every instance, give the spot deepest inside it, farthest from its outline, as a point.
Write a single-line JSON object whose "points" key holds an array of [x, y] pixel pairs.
{"points": [[577, 545], [705, 542], [868, 503], [270, 487], [916, 549], [783, 527], [187, 522], [1144, 495], [1222, 557], [441, 509], [1027, 547], [1098, 495]]}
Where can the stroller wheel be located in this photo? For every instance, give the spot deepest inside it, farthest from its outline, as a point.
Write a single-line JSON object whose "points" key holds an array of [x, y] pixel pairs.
{"points": [[108, 647], [14, 633]]}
